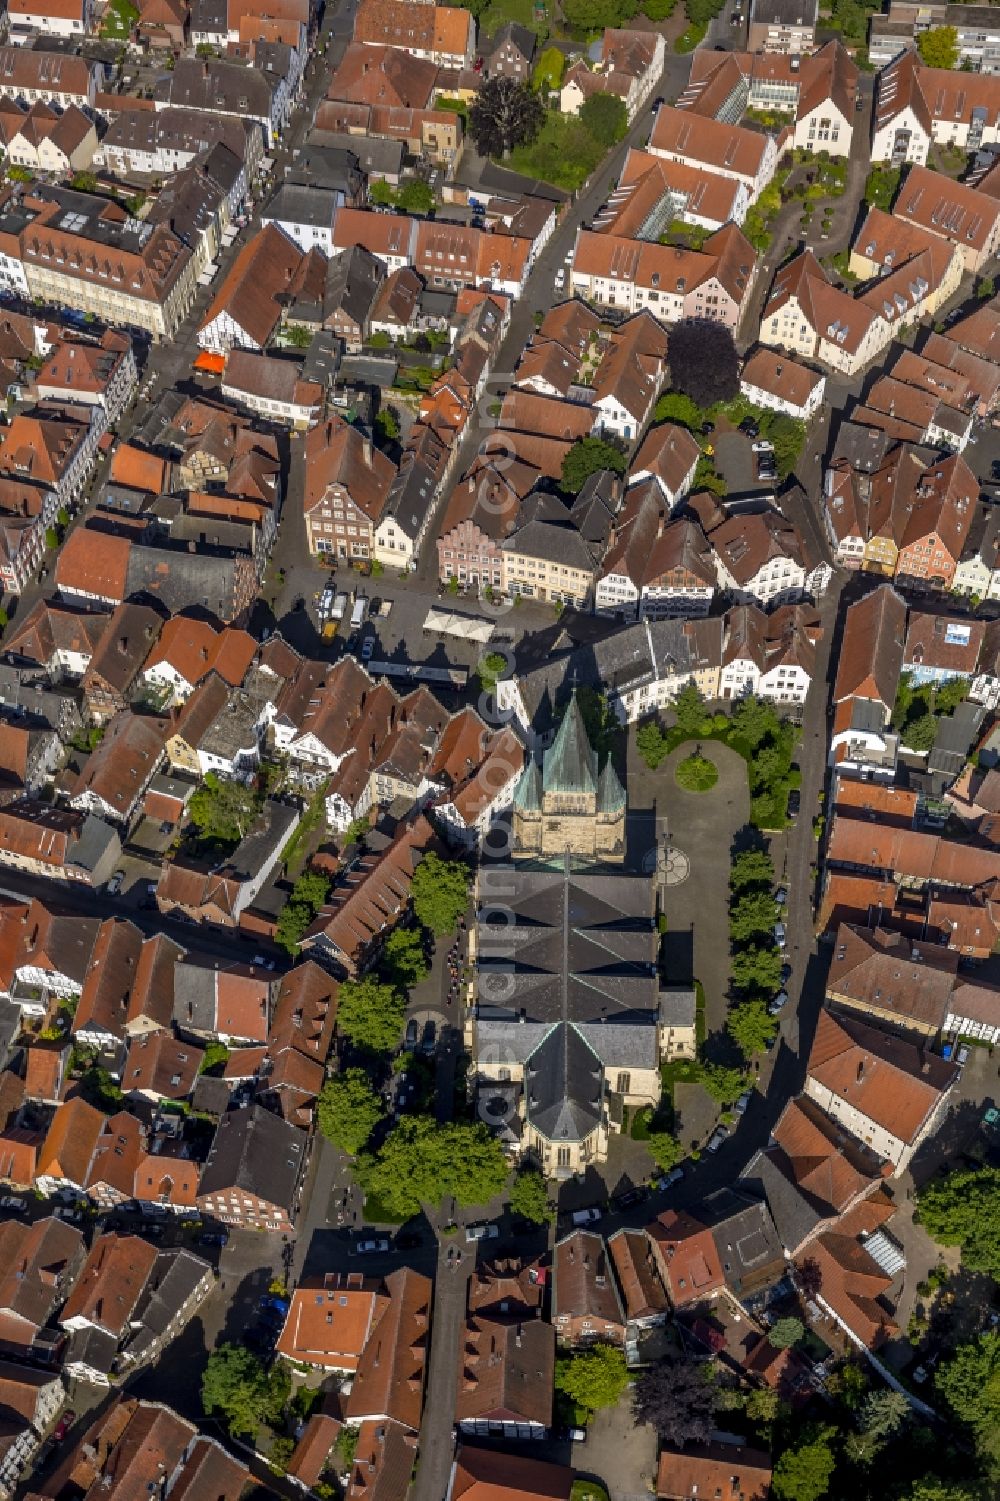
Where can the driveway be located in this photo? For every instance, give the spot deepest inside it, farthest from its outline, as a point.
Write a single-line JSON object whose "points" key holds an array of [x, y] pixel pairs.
{"points": [[619, 1452]]}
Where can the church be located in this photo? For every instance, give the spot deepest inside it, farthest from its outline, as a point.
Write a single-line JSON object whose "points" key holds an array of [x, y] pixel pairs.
{"points": [[567, 805], [568, 1023]]}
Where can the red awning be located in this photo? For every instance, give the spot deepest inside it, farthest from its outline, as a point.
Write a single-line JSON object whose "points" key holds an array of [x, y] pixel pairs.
{"points": [[213, 364]]}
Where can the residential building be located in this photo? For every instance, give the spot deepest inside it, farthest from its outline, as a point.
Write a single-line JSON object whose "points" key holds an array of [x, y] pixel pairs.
{"points": [[259, 92], [886, 1091], [54, 447], [222, 893], [717, 1469], [977, 32], [510, 53], [655, 567], [246, 309], [187, 651], [347, 486], [57, 18], [253, 1172], [41, 1261], [953, 211], [915, 105], [687, 1257], [712, 145], [29, 1401], [57, 144], [163, 142], [117, 773], [32, 75], [440, 34], [780, 384], [510, 1392], [586, 1307], [114, 668], [629, 67], [630, 275], [817, 90], [804, 315], [103, 374], [478, 1474], [60, 843]]}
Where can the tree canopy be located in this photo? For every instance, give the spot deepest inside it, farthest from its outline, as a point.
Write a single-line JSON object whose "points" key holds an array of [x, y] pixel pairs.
{"points": [[938, 47], [236, 1387], [223, 810], [490, 669], [784, 1333], [803, 1473], [440, 892], [751, 1028], [757, 970], [415, 196], [307, 897], [348, 1110], [703, 360], [651, 743], [970, 1384], [587, 457], [423, 1161], [722, 1084], [690, 711], [529, 1196], [595, 15], [404, 962], [752, 915], [673, 406], [751, 869], [505, 114], [676, 1397], [370, 1014], [962, 1208], [664, 1148], [606, 117], [593, 1378]]}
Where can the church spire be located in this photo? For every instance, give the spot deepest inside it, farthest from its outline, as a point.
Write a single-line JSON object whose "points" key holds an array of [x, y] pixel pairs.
{"points": [[570, 765]]}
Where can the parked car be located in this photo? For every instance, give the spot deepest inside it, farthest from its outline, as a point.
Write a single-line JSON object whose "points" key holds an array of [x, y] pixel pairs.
{"points": [[794, 802], [963, 1056], [11, 1201], [749, 426], [718, 1136], [481, 1232], [115, 884], [560, 279], [781, 896], [572, 1435], [669, 1179], [741, 1104], [637, 1195], [273, 1303], [428, 1039], [779, 934], [367, 648], [214, 1238], [586, 1216], [410, 1040], [372, 1245], [64, 1424], [762, 446], [786, 973], [778, 1003]]}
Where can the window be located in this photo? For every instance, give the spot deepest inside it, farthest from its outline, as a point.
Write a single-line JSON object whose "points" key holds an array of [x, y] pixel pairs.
{"points": [[562, 1157], [624, 1083]]}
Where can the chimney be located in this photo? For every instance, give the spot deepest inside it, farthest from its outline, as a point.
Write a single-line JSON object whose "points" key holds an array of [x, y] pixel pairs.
{"points": [[123, 645], [861, 1070]]}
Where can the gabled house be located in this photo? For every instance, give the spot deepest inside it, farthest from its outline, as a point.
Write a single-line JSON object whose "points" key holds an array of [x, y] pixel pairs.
{"points": [[253, 1172], [586, 1307]]}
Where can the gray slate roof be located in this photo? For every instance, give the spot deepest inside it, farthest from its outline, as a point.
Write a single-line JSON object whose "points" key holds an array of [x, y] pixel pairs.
{"points": [[256, 1151]]}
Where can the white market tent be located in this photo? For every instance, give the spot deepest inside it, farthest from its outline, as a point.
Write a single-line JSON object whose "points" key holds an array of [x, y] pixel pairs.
{"points": [[467, 627]]}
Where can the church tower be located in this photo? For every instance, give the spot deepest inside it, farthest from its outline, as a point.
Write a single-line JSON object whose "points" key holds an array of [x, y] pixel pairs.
{"points": [[570, 806]]}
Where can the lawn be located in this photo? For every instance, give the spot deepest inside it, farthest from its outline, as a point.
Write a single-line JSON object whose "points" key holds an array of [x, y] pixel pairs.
{"points": [[521, 11], [119, 18], [564, 154], [690, 37]]}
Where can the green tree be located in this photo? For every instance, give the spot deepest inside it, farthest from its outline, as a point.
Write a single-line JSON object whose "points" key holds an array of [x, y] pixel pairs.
{"points": [[676, 407], [804, 1472], [51, 538], [751, 1028], [970, 1384], [423, 1162], [223, 810], [950, 694], [415, 197], [664, 1148], [380, 193], [593, 1378], [962, 1208], [403, 959], [236, 1388], [440, 892], [548, 70], [490, 670], [757, 969], [932, 1489], [751, 869], [852, 18], [305, 899], [370, 1014], [606, 118], [298, 335], [651, 743], [529, 1196], [505, 114], [348, 1110], [84, 182], [595, 15], [689, 710], [788, 435], [721, 1083], [386, 426], [587, 457], [762, 1405], [938, 47], [755, 721], [753, 914], [785, 1333], [880, 1417], [598, 719], [919, 734]]}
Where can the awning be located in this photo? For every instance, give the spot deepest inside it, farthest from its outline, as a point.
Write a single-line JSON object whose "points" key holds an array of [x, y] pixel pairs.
{"points": [[212, 364], [468, 627]]}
